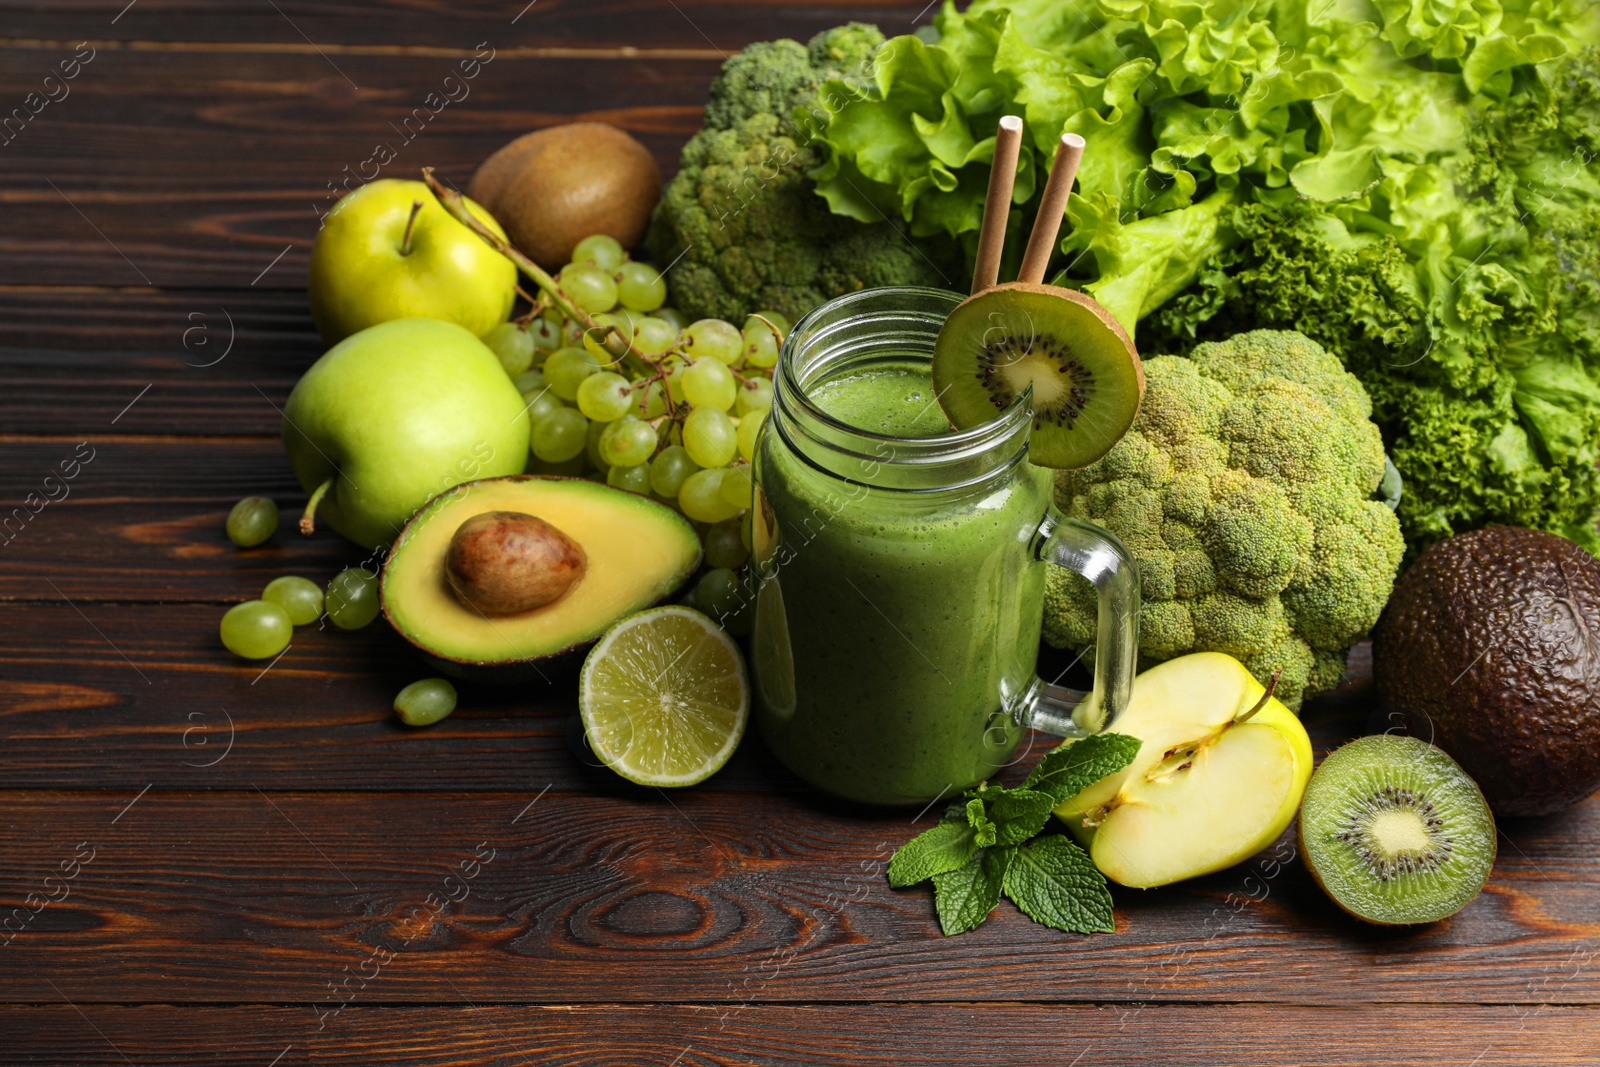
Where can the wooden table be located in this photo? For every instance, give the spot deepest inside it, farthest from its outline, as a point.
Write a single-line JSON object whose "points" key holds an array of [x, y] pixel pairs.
{"points": [[247, 866]]}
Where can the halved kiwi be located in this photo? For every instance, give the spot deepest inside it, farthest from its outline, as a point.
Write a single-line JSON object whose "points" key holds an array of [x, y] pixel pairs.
{"points": [[1395, 831], [1086, 377]]}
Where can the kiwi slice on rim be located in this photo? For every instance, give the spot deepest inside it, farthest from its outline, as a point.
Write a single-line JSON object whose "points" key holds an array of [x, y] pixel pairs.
{"points": [[1395, 831], [1085, 374]]}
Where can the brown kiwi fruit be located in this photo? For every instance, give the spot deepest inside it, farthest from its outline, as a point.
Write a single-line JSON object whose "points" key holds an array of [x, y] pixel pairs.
{"points": [[552, 188], [1085, 374]]}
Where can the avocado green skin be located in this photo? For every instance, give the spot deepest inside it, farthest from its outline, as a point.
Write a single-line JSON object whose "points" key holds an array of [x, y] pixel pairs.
{"points": [[1490, 646]]}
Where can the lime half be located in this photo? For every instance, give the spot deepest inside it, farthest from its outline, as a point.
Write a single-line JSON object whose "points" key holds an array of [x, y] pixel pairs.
{"points": [[664, 697]]}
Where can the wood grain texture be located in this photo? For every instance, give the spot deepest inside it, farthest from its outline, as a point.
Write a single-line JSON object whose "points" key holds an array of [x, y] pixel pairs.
{"points": [[702, 25], [876, 1035], [192, 168], [74, 358], [258, 896], [120, 696]]}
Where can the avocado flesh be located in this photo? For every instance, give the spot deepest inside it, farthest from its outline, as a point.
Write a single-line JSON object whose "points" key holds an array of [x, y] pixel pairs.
{"points": [[638, 553], [1490, 648]]}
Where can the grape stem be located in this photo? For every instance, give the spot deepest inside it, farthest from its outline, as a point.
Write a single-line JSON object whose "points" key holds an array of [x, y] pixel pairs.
{"points": [[405, 242], [775, 331], [455, 204], [308, 519]]}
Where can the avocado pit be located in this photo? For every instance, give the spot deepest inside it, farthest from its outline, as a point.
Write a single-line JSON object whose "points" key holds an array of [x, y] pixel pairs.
{"points": [[509, 562]]}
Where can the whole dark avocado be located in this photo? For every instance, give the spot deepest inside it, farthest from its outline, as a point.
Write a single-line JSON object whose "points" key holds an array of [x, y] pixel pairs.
{"points": [[1490, 646]]}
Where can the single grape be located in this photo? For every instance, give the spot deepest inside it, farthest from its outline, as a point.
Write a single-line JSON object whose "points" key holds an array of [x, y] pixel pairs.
{"points": [[559, 435], [600, 250], [589, 287], [256, 629], [669, 470], [546, 335], [760, 343], [655, 403], [710, 437], [627, 441], [542, 403], [708, 383], [653, 336], [672, 316], [755, 394], [700, 497], [591, 448], [604, 396], [300, 597], [634, 478], [352, 599], [641, 287], [717, 593], [566, 369], [426, 702], [252, 521], [571, 334], [530, 381], [750, 434], [513, 345], [714, 338], [724, 546], [737, 489]]}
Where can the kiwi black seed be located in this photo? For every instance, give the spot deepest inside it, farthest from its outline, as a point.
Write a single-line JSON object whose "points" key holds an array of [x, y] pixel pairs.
{"points": [[1086, 378], [1395, 831]]}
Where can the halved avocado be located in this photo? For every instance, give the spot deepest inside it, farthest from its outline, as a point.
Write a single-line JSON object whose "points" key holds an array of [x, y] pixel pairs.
{"points": [[638, 552]]}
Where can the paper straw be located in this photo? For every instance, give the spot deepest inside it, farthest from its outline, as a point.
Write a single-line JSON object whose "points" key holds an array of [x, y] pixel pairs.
{"points": [[1048, 222], [997, 204]]}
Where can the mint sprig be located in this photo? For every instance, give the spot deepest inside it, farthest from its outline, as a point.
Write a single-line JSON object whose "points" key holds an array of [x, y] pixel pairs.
{"points": [[980, 849]]}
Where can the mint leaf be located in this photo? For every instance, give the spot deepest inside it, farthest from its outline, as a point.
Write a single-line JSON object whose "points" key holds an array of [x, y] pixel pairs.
{"points": [[1055, 883], [943, 848], [965, 896], [978, 819], [1018, 814], [1075, 766]]}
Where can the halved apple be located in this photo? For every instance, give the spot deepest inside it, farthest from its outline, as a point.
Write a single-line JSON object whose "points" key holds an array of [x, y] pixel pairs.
{"points": [[1218, 778]]}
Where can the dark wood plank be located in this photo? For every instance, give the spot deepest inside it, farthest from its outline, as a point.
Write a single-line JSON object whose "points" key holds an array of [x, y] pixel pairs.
{"points": [[181, 167], [143, 518], [250, 896], [201, 364], [868, 1035], [708, 25], [102, 696]]}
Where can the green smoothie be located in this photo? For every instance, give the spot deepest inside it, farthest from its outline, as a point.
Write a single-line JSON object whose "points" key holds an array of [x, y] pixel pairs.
{"points": [[894, 625]]}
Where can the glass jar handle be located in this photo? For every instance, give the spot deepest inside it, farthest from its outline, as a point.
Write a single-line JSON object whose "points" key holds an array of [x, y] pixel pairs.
{"points": [[1095, 553]]}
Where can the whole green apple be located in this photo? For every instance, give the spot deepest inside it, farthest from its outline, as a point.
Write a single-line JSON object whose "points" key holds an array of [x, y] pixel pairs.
{"points": [[373, 262], [395, 415]]}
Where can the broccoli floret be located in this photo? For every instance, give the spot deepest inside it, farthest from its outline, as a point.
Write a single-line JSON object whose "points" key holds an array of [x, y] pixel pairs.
{"points": [[741, 221], [1243, 490]]}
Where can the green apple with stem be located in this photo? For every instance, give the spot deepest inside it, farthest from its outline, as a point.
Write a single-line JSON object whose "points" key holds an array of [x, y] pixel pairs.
{"points": [[389, 251], [1218, 778], [393, 416]]}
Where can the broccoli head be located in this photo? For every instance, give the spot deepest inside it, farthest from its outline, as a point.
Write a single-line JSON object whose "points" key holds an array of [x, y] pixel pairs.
{"points": [[742, 222], [1244, 491]]}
